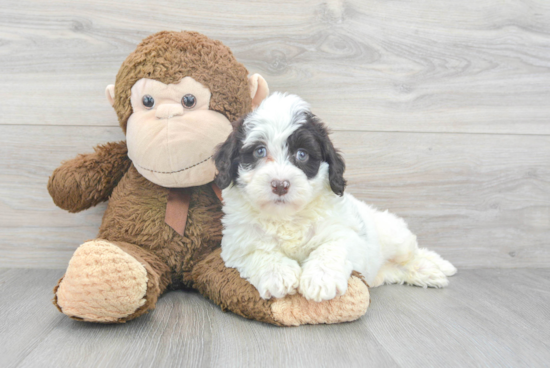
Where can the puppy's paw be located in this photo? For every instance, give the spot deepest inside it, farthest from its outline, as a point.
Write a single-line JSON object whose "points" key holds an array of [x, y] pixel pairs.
{"points": [[426, 273], [322, 283], [445, 266], [279, 279]]}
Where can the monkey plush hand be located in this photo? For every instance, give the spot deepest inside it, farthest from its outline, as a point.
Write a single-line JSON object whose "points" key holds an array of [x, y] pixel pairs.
{"points": [[175, 97]]}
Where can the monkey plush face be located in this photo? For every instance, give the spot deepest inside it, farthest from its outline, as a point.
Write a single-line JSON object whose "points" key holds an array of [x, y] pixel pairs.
{"points": [[172, 134], [175, 97]]}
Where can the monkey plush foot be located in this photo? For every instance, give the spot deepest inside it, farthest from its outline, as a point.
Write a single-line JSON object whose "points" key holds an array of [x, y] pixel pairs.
{"points": [[108, 282], [225, 287], [295, 310]]}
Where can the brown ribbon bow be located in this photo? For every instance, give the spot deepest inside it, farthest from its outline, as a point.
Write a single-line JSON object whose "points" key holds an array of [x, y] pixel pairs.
{"points": [[177, 207]]}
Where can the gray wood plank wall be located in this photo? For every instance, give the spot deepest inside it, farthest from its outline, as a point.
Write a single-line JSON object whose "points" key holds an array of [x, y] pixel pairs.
{"points": [[442, 109]]}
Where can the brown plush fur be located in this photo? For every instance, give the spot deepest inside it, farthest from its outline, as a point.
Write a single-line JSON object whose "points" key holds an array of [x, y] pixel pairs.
{"points": [[170, 56], [89, 179], [230, 291], [135, 217], [158, 274]]}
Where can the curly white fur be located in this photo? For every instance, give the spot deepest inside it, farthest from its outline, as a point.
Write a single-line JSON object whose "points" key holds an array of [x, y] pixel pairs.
{"points": [[310, 240]]}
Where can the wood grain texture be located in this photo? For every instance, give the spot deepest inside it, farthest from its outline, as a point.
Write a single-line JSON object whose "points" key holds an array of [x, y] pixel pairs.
{"points": [[479, 200], [484, 318], [441, 108], [26, 313], [434, 66], [473, 323], [34, 232]]}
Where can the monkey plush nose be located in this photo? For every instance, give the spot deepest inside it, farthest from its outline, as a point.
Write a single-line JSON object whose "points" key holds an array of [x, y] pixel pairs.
{"points": [[166, 111], [280, 187]]}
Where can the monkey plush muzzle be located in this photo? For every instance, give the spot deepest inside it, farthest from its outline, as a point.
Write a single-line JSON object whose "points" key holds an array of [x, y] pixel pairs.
{"points": [[171, 134]]}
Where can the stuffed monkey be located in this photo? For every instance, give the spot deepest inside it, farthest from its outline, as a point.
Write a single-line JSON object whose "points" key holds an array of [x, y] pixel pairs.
{"points": [[175, 97]]}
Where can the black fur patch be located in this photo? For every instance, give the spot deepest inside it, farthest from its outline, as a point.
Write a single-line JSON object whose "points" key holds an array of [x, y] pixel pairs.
{"points": [[247, 157], [307, 139], [313, 137], [230, 155], [227, 157]]}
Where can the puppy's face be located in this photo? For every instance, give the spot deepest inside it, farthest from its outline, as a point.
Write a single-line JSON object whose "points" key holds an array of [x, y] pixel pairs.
{"points": [[280, 157]]}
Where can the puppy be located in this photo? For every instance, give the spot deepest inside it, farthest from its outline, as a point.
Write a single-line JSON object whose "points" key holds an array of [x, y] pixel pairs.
{"points": [[289, 226]]}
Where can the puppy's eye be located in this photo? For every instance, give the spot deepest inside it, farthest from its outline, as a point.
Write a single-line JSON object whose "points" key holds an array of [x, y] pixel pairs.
{"points": [[148, 101], [189, 101], [302, 156], [260, 152]]}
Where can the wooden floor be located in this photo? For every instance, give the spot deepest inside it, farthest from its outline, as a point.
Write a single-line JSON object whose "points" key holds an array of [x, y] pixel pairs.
{"points": [[485, 318]]}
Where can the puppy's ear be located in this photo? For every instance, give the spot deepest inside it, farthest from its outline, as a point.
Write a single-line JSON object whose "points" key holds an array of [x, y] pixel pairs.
{"points": [[227, 155], [336, 168], [332, 156]]}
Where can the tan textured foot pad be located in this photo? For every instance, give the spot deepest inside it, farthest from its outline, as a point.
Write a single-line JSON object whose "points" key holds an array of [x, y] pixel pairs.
{"points": [[295, 310], [102, 284]]}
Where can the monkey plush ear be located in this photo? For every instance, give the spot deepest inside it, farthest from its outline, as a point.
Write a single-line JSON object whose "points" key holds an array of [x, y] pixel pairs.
{"points": [[258, 89], [110, 93]]}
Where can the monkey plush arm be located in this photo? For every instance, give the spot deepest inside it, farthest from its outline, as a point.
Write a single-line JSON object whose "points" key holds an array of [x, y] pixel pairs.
{"points": [[89, 179]]}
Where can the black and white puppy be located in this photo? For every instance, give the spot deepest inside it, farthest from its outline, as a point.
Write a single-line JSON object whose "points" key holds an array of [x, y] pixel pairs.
{"points": [[289, 226]]}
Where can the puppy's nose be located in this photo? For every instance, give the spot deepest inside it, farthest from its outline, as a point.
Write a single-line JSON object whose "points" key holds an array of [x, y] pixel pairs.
{"points": [[280, 187]]}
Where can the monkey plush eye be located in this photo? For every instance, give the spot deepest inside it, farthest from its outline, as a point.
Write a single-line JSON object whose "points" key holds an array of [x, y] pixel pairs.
{"points": [[260, 152], [148, 101], [189, 101], [302, 156]]}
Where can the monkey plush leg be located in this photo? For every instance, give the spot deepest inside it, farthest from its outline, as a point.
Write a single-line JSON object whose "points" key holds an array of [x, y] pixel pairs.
{"points": [[225, 287], [110, 282]]}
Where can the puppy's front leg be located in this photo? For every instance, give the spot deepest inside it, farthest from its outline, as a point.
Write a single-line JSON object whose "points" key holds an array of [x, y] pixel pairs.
{"points": [[273, 274], [325, 272]]}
